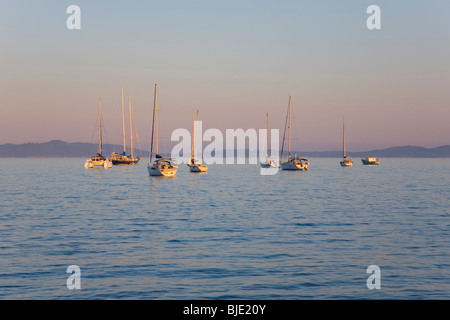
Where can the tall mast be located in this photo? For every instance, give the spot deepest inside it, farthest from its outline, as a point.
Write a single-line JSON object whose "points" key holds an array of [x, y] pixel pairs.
{"points": [[343, 138], [153, 125], [137, 135], [193, 128], [290, 126], [100, 126], [267, 135], [131, 129], [284, 133], [123, 122], [195, 150], [156, 119]]}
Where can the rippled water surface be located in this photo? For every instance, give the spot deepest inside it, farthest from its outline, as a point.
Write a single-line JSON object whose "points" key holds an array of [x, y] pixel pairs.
{"points": [[227, 234]]}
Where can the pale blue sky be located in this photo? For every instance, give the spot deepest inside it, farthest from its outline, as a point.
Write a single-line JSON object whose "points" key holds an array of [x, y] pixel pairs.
{"points": [[235, 61]]}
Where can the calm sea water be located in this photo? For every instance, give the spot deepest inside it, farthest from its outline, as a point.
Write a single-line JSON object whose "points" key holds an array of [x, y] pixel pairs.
{"points": [[227, 234]]}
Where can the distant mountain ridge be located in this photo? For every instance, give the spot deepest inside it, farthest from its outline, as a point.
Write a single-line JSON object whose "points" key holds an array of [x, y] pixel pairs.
{"points": [[57, 148], [392, 152]]}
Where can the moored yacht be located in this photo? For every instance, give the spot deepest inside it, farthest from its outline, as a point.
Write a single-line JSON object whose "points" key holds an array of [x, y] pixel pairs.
{"points": [[267, 162], [123, 158], [98, 160], [293, 162], [160, 166], [194, 164], [346, 161]]}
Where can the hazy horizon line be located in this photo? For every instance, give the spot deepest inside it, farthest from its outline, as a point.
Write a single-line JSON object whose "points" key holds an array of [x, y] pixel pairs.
{"points": [[309, 151]]}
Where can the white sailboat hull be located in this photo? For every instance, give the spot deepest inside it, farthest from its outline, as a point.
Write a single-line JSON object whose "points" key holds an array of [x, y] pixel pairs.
{"points": [[346, 163], [157, 171], [197, 168], [89, 164], [268, 164], [292, 165]]}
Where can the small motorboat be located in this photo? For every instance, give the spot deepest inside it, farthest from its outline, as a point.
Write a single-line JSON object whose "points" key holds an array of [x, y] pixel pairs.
{"points": [[370, 161]]}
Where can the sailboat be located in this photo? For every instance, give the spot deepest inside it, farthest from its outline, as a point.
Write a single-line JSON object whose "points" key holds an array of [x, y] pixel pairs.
{"points": [[268, 162], [346, 161], [98, 159], [160, 166], [122, 158], [293, 162], [194, 164]]}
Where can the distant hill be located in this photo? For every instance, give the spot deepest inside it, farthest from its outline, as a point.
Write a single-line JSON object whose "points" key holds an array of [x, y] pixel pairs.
{"points": [[394, 152], [57, 148]]}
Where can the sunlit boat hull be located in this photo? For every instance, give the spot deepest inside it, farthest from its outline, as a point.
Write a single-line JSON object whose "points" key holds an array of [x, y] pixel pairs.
{"points": [[162, 169], [370, 161], [123, 160], [97, 162], [347, 163], [197, 168], [268, 164], [294, 165]]}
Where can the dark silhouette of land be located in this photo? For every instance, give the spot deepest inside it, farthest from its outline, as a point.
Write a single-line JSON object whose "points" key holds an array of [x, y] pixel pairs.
{"points": [[393, 152], [57, 148]]}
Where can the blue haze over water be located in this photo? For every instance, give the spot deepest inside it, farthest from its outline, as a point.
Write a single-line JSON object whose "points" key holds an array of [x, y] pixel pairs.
{"points": [[227, 234]]}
